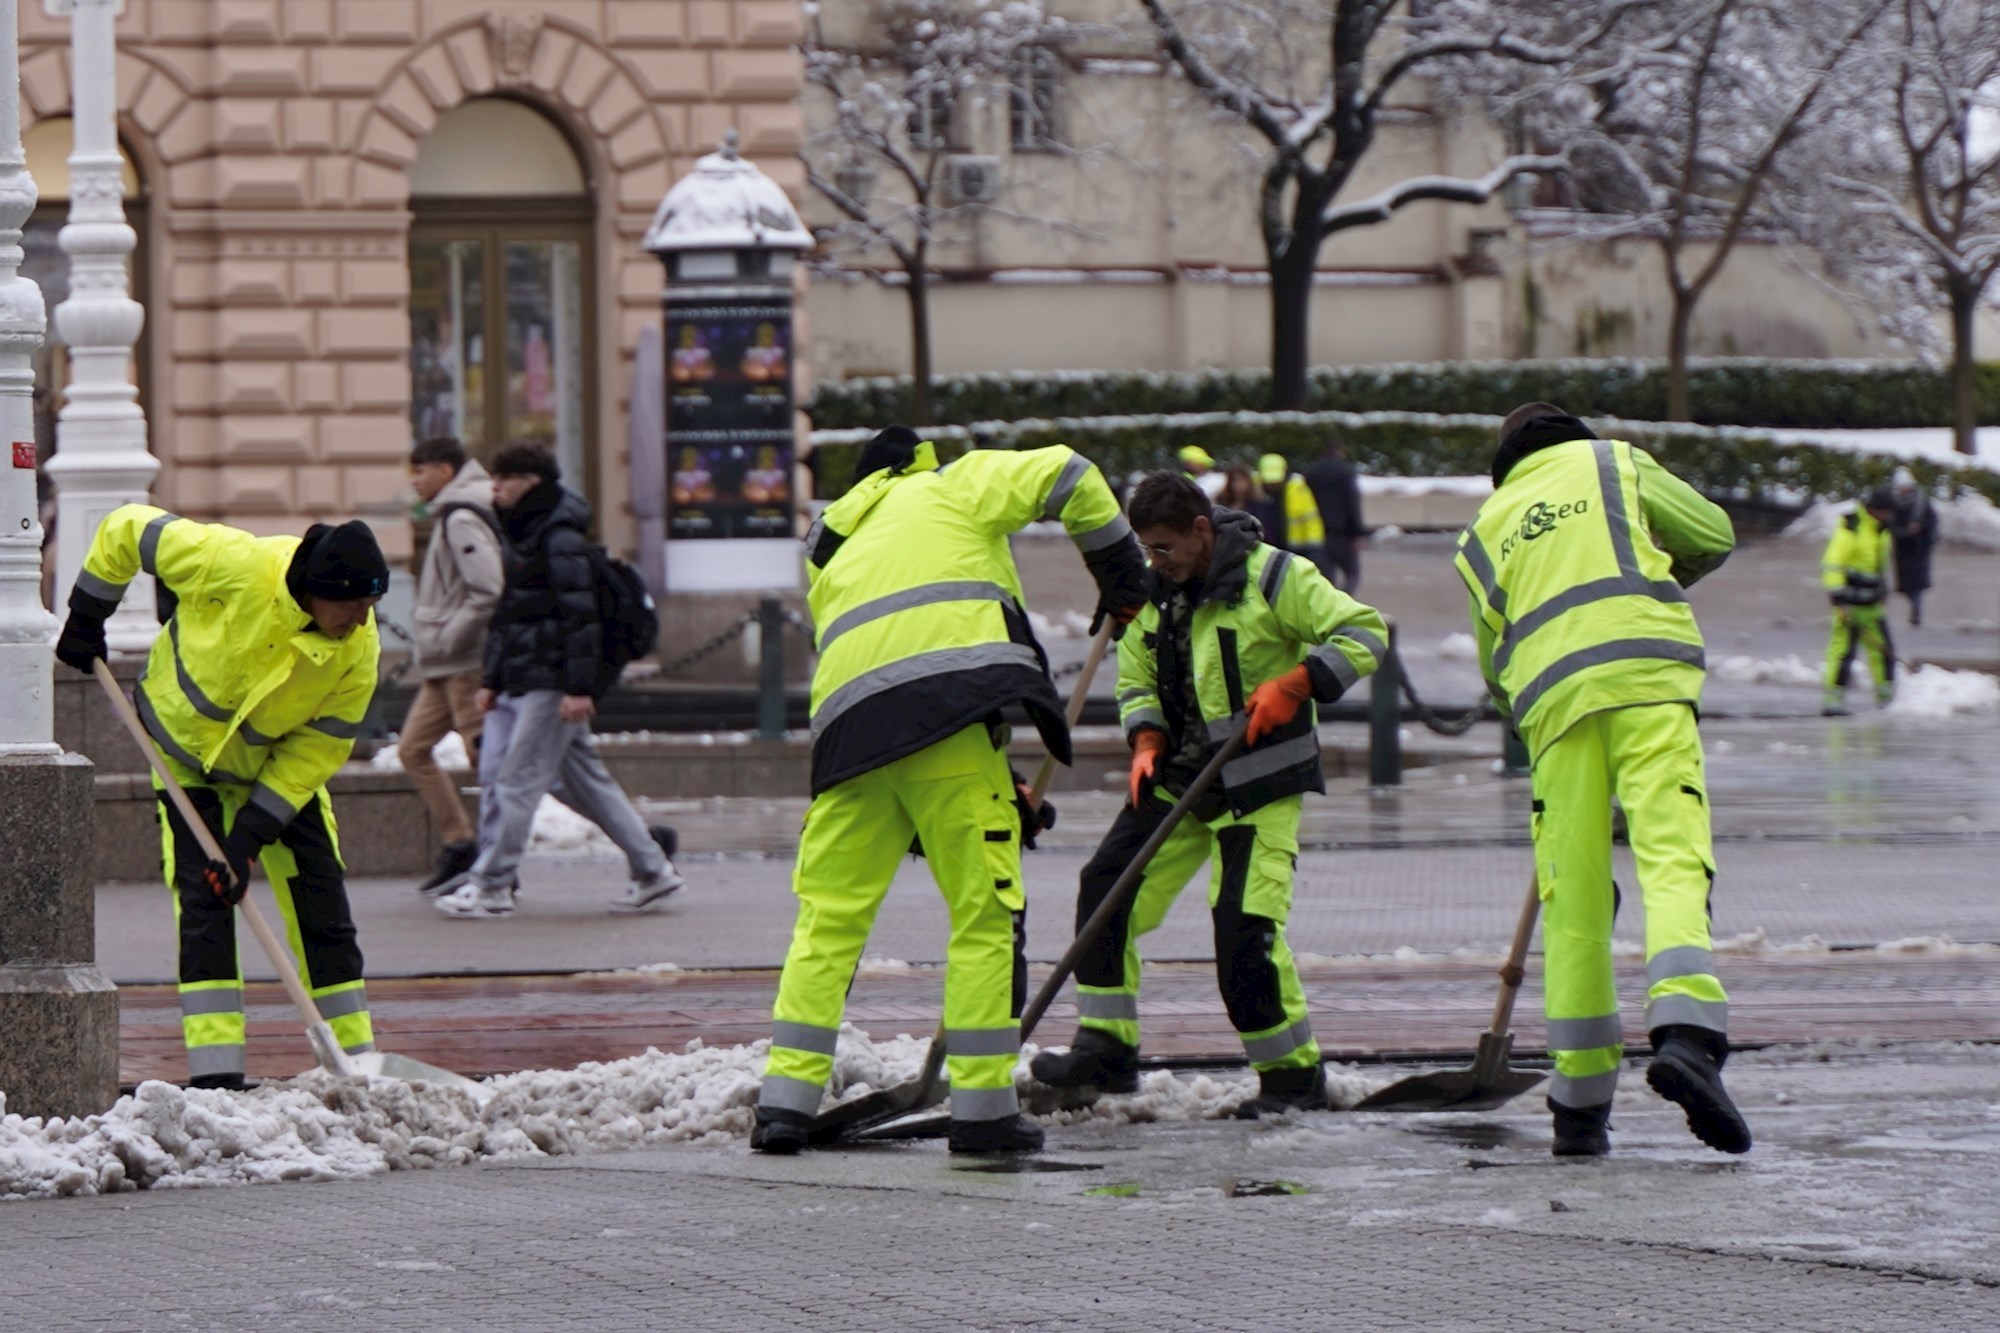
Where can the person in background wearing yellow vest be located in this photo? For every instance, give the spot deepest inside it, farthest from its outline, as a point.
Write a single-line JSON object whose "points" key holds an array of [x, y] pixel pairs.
{"points": [[923, 639], [254, 693], [1576, 566], [1235, 629], [1201, 469], [1299, 530], [1855, 573]]}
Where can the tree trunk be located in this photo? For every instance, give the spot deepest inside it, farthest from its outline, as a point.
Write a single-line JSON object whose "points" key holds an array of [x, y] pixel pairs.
{"points": [[1964, 408], [920, 342], [1679, 333], [1291, 324]]}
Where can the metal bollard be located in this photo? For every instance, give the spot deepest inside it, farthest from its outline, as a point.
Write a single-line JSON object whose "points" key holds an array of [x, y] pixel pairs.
{"points": [[771, 669], [1385, 719], [1515, 761]]}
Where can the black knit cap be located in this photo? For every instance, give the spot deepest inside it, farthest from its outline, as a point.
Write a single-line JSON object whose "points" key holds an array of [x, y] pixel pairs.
{"points": [[342, 564], [894, 448]]}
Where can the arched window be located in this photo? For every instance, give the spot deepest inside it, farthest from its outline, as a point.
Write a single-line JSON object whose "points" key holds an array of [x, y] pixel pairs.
{"points": [[501, 318], [48, 143]]}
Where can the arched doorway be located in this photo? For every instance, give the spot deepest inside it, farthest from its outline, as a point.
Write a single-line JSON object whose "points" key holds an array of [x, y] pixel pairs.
{"points": [[501, 309]]}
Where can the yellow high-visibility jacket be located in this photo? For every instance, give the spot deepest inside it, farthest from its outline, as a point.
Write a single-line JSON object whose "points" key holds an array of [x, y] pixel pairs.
{"points": [[1575, 567], [1303, 526], [239, 687], [917, 604], [1857, 559]]}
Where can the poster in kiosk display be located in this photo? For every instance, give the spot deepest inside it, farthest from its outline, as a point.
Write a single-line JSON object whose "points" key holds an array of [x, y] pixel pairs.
{"points": [[728, 237]]}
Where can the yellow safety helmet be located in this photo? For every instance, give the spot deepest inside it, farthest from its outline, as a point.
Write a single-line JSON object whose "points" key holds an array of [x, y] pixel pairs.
{"points": [[1272, 469], [1193, 455]]}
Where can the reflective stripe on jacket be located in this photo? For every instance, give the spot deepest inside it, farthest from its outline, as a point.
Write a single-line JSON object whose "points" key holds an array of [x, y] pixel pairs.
{"points": [[1256, 620], [1857, 555], [1576, 566], [239, 687], [916, 603]]}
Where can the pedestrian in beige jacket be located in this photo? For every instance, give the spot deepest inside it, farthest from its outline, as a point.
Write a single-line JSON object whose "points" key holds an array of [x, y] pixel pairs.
{"points": [[457, 590]]}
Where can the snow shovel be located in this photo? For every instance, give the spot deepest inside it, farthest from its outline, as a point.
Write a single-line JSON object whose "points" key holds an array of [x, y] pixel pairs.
{"points": [[325, 1048], [1116, 901], [875, 1108], [1489, 1083]]}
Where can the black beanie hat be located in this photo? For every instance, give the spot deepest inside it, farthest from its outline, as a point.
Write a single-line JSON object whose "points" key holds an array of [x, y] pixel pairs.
{"points": [[895, 447], [1880, 498], [342, 564]]}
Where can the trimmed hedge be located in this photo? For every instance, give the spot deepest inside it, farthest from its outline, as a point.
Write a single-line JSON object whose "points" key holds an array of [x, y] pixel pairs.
{"points": [[1726, 463], [1724, 391]]}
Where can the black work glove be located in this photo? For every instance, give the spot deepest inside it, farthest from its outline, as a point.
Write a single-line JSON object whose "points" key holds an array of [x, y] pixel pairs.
{"points": [[1123, 584], [81, 644], [1033, 821], [229, 878]]}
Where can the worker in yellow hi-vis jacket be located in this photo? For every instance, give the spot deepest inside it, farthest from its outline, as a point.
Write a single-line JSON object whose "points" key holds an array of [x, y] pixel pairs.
{"points": [[1855, 573], [923, 639], [254, 693], [1576, 566]]}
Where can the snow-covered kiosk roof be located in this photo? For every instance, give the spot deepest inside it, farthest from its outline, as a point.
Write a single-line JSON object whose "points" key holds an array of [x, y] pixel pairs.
{"points": [[725, 204]]}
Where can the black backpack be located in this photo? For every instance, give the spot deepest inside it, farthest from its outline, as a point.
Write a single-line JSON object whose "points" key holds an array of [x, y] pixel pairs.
{"points": [[631, 622]]}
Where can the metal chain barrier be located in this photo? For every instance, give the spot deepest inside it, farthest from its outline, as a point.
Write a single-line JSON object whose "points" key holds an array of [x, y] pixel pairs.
{"points": [[1445, 724], [714, 645]]}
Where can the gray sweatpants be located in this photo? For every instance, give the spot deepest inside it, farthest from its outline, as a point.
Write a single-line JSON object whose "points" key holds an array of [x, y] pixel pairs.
{"points": [[526, 752]]}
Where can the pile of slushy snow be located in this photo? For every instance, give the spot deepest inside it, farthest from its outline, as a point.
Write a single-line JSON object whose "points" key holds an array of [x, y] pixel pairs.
{"points": [[1786, 670], [1934, 691], [318, 1128], [449, 753]]}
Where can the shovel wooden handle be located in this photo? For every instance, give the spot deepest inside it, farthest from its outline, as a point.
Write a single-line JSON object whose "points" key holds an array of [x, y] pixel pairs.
{"points": [[328, 1051], [1127, 886], [1517, 957], [934, 1055]]}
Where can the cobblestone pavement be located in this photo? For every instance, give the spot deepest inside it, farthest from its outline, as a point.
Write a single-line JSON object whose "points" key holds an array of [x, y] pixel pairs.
{"points": [[1867, 1205]]}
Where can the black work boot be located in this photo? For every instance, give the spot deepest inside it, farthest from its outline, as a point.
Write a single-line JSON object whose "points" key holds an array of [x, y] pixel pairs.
{"points": [[453, 862], [1009, 1133], [1282, 1091], [779, 1132], [1580, 1131], [1687, 1070], [224, 1082], [1094, 1060]]}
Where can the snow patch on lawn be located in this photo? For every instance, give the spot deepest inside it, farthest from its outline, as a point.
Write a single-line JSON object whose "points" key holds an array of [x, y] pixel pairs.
{"points": [[1934, 691], [1965, 520]]}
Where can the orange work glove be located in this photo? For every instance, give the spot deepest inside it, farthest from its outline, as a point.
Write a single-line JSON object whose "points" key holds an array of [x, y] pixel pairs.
{"points": [[1277, 701], [1146, 752]]}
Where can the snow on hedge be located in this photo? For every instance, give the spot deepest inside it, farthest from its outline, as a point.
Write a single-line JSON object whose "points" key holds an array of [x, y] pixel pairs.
{"points": [[315, 1127]]}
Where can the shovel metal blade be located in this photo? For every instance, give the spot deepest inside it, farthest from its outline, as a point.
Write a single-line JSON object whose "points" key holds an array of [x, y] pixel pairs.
{"points": [[1489, 1083], [387, 1064], [853, 1118]]}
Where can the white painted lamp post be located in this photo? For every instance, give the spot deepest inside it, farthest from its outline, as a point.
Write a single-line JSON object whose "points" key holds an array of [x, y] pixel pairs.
{"points": [[101, 459], [26, 630], [59, 1013]]}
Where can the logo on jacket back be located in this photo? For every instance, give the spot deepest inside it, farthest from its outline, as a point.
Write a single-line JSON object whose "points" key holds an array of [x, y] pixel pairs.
{"points": [[1540, 520]]}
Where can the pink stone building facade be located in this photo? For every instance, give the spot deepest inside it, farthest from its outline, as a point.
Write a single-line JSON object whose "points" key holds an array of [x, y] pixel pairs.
{"points": [[363, 220]]}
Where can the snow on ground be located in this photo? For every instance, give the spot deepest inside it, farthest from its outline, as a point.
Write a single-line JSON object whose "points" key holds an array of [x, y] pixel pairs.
{"points": [[1964, 520], [1457, 648], [450, 753], [1787, 670], [1934, 691], [560, 829], [316, 1127]]}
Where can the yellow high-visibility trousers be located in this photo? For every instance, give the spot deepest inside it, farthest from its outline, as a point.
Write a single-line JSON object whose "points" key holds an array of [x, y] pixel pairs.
{"points": [[1649, 757], [957, 797]]}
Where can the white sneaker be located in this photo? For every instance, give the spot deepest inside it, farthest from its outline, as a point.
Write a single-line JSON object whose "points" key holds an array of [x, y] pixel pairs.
{"points": [[643, 893], [469, 901]]}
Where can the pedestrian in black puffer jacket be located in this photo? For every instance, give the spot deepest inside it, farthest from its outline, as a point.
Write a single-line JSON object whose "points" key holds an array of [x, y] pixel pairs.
{"points": [[543, 674], [546, 633]]}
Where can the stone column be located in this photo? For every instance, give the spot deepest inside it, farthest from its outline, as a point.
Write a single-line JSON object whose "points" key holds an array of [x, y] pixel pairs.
{"points": [[58, 1013], [101, 459]]}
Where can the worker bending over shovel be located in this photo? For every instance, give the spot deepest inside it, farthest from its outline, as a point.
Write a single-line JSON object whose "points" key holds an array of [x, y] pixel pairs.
{"points": [[922, 640], [1234, 629], [1576, 566], [254, 694]]}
